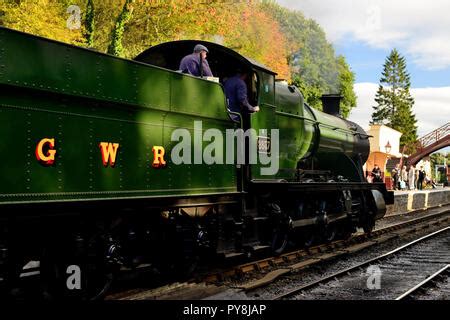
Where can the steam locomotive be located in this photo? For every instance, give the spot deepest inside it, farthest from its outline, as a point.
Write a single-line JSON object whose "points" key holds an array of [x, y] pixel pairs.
{"points": [[88, 184]]}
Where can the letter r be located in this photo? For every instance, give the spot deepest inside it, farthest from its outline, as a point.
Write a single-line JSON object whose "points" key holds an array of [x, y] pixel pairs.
{"points": [[158, 157]]}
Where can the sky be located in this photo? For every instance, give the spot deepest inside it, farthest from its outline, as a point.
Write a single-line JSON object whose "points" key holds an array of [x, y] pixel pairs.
{"points": [[365, 31]]}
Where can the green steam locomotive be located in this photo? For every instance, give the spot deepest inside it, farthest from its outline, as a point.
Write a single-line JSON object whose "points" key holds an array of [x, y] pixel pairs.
{"points": [[91, 176]]}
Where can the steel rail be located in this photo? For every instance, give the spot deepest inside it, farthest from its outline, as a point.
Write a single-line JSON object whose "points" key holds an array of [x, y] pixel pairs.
{"points": [[322, 248], [424, 282], [357, 266]]}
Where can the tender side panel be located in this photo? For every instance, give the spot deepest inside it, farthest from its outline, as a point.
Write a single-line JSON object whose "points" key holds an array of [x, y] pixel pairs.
{"points": [[81, 98], [43, 64], [193, 176]]}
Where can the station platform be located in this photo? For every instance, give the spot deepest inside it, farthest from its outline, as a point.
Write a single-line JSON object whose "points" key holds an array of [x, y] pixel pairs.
{"points": [[412, 201]]}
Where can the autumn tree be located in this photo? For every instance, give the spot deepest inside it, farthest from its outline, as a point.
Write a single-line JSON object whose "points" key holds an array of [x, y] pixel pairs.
{"points": [[259, 37], [156, 22], [45, 18], [394, 100], [283, 40], [256, 35]]}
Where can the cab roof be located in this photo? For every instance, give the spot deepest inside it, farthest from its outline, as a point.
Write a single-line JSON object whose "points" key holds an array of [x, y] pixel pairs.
{"points": [[221, 59]]}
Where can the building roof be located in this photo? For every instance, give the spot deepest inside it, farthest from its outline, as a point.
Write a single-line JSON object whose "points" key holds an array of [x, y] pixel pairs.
{"points": [[383, 126]]}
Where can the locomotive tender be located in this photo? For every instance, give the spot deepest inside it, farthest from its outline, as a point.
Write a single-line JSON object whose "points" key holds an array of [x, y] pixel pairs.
{"points": [[80, 134]]}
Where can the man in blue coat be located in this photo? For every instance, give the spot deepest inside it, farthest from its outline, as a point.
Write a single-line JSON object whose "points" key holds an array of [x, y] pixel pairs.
{"points": [[196, 63], [236, 93]]}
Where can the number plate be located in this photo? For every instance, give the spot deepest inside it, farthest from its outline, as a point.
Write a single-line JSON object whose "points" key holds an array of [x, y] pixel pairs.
{"points": [[264, 145]]}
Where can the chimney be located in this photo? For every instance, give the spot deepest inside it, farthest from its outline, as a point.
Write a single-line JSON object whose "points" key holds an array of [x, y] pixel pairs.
{"points": [[331, 104]]}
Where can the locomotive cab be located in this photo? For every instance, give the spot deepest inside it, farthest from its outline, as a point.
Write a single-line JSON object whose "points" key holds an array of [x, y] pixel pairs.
{"points": [[223, 62]]}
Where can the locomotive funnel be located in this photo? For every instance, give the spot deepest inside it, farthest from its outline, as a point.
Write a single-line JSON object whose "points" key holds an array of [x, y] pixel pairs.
{"points": [[331, 104]]}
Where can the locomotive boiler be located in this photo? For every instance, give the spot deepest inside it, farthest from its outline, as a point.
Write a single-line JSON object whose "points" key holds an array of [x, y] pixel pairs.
{"points": [[87, 179]]}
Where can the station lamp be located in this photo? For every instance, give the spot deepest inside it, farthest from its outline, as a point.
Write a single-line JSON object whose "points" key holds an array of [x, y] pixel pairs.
{"points": [[388, 148]]}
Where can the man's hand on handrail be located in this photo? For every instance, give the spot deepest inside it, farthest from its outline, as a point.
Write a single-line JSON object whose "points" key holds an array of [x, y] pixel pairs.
{"points": [[254, 109]]}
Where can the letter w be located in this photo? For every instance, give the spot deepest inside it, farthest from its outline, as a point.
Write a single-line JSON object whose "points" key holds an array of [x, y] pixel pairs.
{"points": [[109, 152]]}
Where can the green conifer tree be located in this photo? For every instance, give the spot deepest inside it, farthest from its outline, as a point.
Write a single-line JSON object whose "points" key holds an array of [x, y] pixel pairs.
{"points": [[90, 23], [394, 100], [116, 47]]}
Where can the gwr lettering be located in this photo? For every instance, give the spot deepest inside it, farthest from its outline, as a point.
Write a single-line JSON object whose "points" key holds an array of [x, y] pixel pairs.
{"points": [[48, 158], [158, 157], [109, 153], [45, 153]]}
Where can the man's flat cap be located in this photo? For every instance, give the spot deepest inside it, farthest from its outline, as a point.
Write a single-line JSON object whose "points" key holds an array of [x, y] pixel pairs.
{"points": [[200, 47]]}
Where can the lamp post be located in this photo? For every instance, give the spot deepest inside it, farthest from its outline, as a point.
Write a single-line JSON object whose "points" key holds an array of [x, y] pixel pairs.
{"points": [[388, 148]]}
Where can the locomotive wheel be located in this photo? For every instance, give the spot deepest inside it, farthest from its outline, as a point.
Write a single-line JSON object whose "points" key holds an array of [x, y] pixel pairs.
{"points": [[344, 231], [279, 241], [330, 233], [10, 287], [55, 272], [369, 225], [280, 231], [308, 237]]}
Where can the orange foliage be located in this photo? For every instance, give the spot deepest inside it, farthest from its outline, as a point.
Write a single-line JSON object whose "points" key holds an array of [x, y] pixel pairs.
{"points": [[242, 25], [257, 35]]}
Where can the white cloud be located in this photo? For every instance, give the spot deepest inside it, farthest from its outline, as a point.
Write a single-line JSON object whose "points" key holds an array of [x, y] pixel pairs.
{"points": [[420, 28], [363, 111], [432, 106]]}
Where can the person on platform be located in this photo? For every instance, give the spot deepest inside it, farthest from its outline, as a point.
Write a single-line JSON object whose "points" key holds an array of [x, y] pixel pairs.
{"points": [[421, 178], [404, 178], [395, 174], [376, 174], [412, 178], [196, 63]]}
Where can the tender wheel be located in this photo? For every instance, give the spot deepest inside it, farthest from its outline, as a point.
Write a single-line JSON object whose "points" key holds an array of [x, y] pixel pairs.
{"points": [[179, 254], [10, 287], [70, 274]]}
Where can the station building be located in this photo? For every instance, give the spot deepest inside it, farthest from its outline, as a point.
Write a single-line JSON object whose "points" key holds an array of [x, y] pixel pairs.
{"points": [[385, 152], [384, 149]]}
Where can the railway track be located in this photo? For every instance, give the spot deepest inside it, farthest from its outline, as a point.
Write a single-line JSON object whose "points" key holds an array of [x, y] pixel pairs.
{"points": [[267, 271], [328, 251], [433, 281], [395, 270]]}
